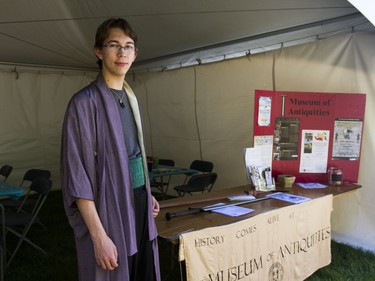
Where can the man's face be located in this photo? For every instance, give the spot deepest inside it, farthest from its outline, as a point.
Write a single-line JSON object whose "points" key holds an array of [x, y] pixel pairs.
{"points": [[116, 62]]}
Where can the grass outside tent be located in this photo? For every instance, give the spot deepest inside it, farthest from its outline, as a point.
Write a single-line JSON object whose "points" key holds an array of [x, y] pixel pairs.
{"points": [[347, 263]]}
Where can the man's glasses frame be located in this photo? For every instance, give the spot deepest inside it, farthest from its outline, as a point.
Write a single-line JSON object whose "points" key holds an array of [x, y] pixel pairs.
{"points": [[129, 49]]}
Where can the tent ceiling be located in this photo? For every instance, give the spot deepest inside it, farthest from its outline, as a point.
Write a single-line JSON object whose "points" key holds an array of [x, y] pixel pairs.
{"points": [[171, 33]]}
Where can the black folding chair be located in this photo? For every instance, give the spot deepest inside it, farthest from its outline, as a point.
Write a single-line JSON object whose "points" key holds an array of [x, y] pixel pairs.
{"points": [[20, 223], [162, 182], [27, 179], [197, 183], [201, 166], [5, 171]]}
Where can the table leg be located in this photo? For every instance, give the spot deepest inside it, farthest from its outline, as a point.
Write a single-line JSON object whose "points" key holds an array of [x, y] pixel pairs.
{"points": [[171, 273]]}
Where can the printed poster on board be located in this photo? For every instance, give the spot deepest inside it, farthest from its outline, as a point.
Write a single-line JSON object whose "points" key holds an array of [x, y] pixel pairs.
{"points": [[314, 151], [347, 142]]}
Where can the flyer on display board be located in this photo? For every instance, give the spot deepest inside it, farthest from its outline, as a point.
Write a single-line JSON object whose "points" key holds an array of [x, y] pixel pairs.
{"points": [[348, 136], [314, 151]]}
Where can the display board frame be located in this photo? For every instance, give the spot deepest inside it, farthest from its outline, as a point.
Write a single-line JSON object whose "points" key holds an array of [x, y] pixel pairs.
{"points": [[311, 127]]}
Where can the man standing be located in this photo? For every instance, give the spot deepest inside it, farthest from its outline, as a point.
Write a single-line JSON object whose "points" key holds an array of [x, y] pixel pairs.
{"points": [[106, 189]]}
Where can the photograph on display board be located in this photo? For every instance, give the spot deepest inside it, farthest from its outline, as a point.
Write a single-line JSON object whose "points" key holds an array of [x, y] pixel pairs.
{"points": [[286, 137]]}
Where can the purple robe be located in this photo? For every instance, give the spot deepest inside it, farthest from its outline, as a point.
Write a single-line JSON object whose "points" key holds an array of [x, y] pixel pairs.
{"points": [[95, 166]]}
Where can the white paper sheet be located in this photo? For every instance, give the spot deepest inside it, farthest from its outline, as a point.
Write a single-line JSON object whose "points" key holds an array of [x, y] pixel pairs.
{"points": [[312, 185], [264, 111], [314, 151], [291, 198], [233, 211]]}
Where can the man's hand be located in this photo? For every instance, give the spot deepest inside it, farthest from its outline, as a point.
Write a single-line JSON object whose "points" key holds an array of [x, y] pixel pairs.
{"points": [[155, 207], [105, 253], [104, 249]]}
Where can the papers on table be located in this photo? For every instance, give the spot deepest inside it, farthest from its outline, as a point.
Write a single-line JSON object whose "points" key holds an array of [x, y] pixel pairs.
{"points": [[214, 206], [233, 211], [230, 209], [312, 185], [295, 199], [241, 198], [259, 176]]}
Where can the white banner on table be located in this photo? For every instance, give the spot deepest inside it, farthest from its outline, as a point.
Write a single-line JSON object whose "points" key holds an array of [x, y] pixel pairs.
{"points": [[289, 243]]}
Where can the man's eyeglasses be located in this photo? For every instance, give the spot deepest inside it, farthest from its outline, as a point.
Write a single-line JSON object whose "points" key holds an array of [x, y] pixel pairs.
{"points": [[129, 49]]}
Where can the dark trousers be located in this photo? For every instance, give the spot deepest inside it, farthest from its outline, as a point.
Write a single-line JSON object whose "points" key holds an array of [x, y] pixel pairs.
{"points": [[141, 265]]}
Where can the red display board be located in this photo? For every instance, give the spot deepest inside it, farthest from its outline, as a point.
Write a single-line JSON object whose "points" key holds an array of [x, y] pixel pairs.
{"points": [[297, 121]]}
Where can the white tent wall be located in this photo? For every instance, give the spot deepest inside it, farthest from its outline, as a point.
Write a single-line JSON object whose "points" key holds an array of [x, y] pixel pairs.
{"points": [[344, 64], [207, 111], [32, 105], [210, 103]]}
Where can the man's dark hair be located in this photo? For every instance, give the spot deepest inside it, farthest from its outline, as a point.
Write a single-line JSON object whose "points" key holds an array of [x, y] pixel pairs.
{"points": [[103, 31]]}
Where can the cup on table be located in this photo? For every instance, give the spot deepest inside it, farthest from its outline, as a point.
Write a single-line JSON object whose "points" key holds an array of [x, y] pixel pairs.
{"points": [[155, 162], [286, 182]]}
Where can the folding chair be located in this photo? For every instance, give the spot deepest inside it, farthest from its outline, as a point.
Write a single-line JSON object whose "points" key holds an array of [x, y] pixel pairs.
{"points": [[24, 220], [5, 171], [160, 184], [197, 183], [201, 166], [28, 177]]}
